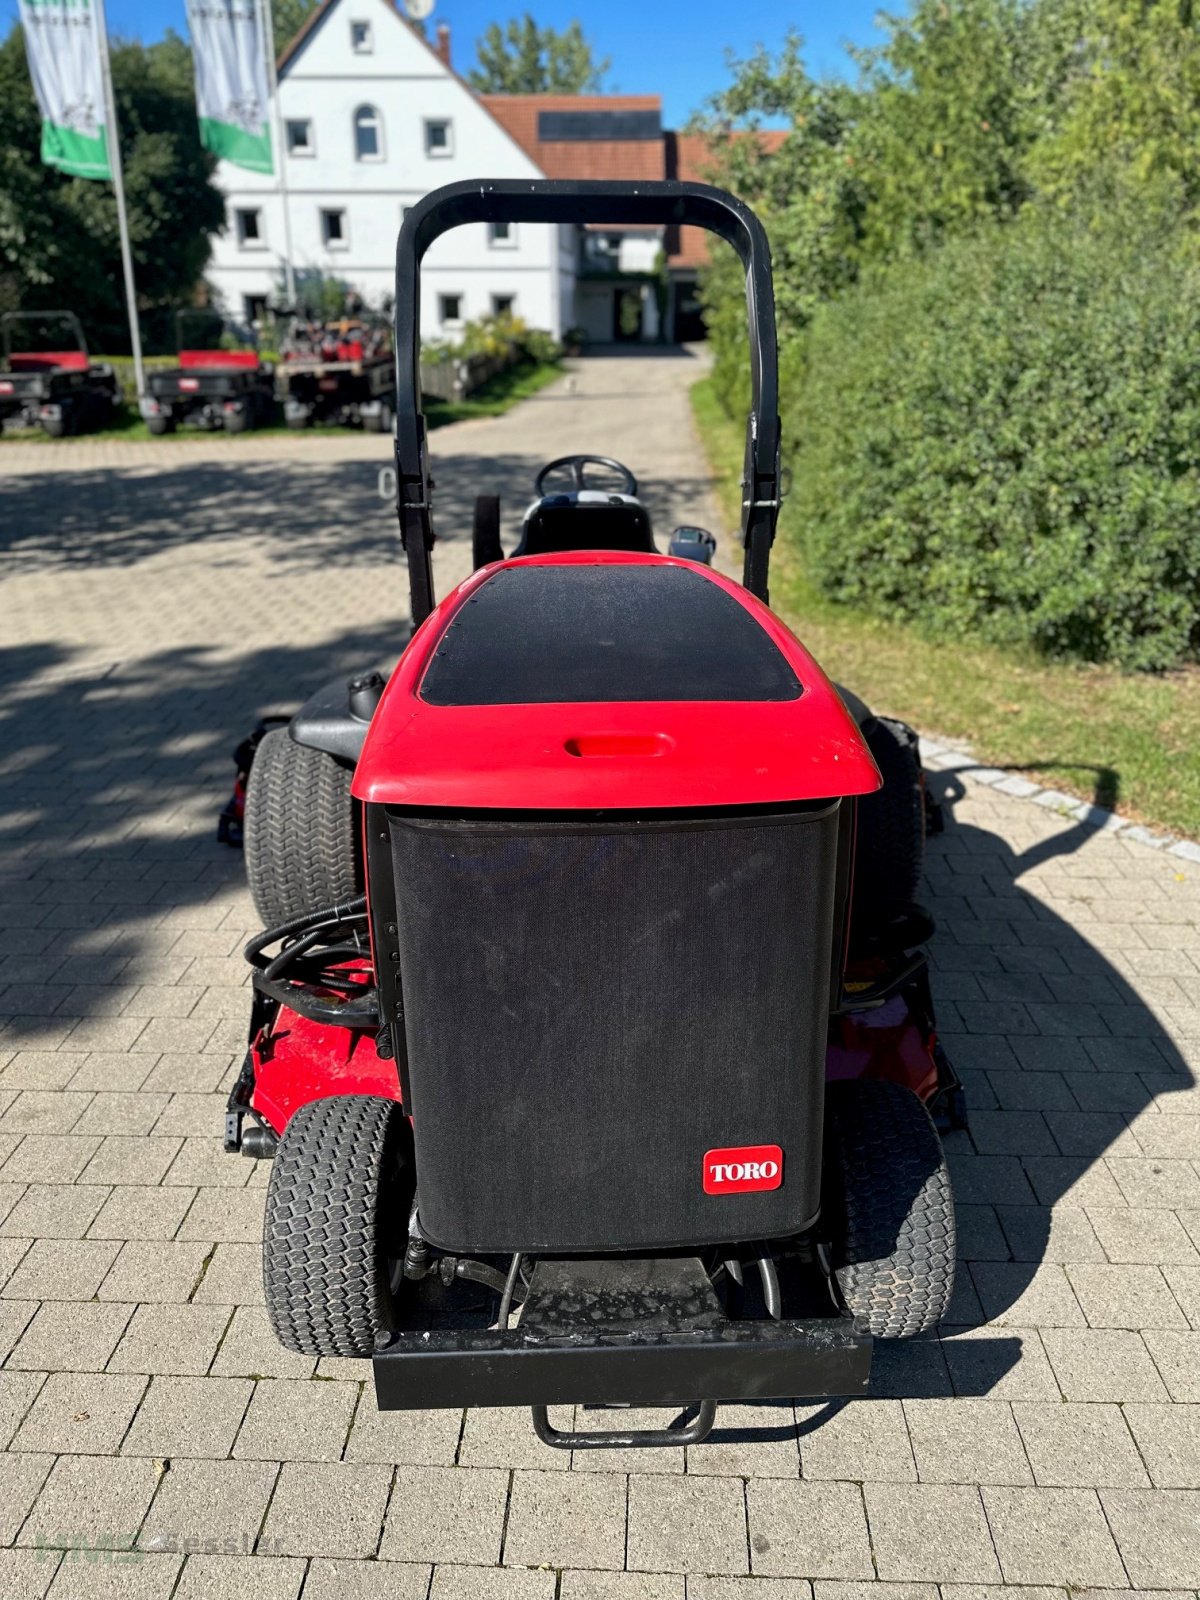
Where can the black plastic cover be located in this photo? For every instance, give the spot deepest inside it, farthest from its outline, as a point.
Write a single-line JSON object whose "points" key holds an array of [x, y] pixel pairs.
{"points": [[540, 635], [591, 1007]]}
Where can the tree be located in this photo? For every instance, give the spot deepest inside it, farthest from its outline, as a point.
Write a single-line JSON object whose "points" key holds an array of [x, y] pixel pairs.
{"points": [[289, 16], [59, 242], [522, 58]]}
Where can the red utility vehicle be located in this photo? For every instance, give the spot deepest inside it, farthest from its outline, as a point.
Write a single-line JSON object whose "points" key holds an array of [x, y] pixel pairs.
{"points": [[47, 378], [341, 371], [615, 1086], [221, 380]]}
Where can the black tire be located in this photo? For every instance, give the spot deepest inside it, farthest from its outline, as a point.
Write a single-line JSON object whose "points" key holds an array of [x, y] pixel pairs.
{"points": [[235, 421], [890, 1206], [301, 839], [889, 854], [485, 531], [335, 1227], [160, 425], [55, 427]]}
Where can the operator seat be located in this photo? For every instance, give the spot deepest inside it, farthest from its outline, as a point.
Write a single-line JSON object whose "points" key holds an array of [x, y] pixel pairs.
{"points": [[586, 519]]}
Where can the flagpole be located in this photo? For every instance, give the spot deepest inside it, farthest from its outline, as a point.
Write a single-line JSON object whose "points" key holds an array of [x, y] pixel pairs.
{"points": [[118, 178], [289, 274]]}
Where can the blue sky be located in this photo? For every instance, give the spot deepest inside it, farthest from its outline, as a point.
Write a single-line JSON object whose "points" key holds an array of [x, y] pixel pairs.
{"points": [[675, 48]]}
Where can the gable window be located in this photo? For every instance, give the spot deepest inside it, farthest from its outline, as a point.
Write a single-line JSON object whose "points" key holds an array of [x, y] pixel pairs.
{"points": [[368, 134], [502, 235], [439, 137], [333, 229], [504, 305], [248, 224], [360, 38], [449, 308], [300, 137]]}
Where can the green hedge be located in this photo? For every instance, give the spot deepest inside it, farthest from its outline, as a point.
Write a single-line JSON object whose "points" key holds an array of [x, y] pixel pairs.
{"points": [[1002, 440]]}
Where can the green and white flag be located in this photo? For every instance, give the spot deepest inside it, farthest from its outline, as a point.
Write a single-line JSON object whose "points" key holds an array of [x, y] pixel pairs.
{"points": [[231, 81], [62, 42]]}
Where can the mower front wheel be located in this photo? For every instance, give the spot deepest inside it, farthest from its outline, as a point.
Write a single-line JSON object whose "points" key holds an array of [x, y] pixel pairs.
{"points": [[337, 1209], [891, 1207], [301, 830]]}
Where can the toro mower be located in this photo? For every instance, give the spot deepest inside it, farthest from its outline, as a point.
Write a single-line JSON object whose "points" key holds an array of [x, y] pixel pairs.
{"points": [[341, 371], [221, 380], [48, 380], [592, 1040]]}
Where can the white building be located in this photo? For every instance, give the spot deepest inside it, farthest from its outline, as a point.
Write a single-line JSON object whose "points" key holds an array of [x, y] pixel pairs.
{"points": [[374, 118]]}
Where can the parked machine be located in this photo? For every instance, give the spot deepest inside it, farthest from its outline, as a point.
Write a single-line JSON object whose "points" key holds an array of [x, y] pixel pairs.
{"points": [[341, 371], [221, 380], [592, 1040], [47, 378]]}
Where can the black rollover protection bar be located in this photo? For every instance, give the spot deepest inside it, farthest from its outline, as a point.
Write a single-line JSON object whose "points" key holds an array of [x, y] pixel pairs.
{"points": [[649, 204]]}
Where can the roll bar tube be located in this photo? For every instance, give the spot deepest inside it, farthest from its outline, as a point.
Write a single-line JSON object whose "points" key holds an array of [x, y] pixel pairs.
{"points": [[551, 201]]}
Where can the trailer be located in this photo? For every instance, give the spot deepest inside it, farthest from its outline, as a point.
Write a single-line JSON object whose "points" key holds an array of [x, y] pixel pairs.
{"points": [[342, 371], [48, 380], [221, 380]]}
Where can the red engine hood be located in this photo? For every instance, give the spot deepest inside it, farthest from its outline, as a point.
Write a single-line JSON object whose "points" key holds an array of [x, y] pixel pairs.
{"points": [[450, 731]]}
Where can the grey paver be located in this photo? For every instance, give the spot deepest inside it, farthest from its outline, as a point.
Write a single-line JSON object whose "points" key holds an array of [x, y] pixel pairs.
{"points": [[210, 1505], [80, 1413], [291, 1420], [180, 1342], [930, 1531], [156, 1271], [372, 1580], [748, 1441], [188, 1417], [496, 1583], [655, 1586], [446, 1514], [332, 1509], [1053, 1536], [1125, 1297], [686, 1524], [208, 1577], [1102, 1364], [861, 1440], [1079, 1446], [1177, 1358], [119, 1576], [966, 1441], [1168, 1437], [566, 1520], [814, 1530], [71, 1336], [97, 1501], [1158, 1533], [21, 1479], [62, 1269]]}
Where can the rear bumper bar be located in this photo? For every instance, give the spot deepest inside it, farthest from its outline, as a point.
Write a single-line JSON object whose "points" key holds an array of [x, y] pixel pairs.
{"points": [[753, 1360]]}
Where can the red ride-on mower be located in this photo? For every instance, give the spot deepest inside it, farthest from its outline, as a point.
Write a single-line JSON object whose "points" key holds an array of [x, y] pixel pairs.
{"points": [[47, 378], [615, 1087], [221, 380]]}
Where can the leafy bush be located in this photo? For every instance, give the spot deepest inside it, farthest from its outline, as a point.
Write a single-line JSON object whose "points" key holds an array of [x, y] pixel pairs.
{"points": [[1002, 439]]}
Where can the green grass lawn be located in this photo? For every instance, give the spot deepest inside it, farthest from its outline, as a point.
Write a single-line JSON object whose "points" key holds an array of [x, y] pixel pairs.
{"points": [[1128, 741], [492, 400]]}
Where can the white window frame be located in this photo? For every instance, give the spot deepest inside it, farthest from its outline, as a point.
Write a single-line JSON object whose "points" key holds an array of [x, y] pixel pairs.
{"points": [[343, 243], [304, 152], [259, 242], [374, 114], [494, 243], [446, 150], [367, 47], [447, 321], [512, 305]]}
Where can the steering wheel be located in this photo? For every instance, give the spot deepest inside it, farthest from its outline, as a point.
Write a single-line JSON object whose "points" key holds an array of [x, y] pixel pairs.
{"points": [[576, 466]]}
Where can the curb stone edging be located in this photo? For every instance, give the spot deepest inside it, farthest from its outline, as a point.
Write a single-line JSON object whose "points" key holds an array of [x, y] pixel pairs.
{"points": [[939, 756]]}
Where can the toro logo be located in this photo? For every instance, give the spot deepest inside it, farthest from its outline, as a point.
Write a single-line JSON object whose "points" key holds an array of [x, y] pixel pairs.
{"points": [[743, 1169]]}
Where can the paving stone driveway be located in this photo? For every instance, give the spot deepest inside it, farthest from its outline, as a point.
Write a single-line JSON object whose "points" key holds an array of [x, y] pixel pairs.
{"points": [[155, 600]]}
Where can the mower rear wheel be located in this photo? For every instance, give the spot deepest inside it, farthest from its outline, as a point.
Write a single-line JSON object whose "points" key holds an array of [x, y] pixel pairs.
{"points": [[333, 1237], [889, 854], [301, 833], [891, 1206]]}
